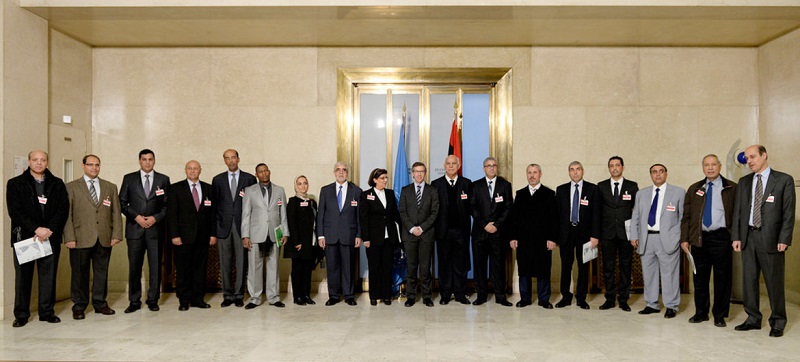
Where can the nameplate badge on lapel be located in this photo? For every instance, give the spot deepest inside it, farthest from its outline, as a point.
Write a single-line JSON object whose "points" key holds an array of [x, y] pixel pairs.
{"points": [[626, 196], [303, 203], [241, 193], [700, 193], [206, 202], [771, 198], [107, 202], [42, 200], [584, 201], [159, 192], [370, 197], [670, 207], [498, 199], [354, 203], [280, 202], [463, 196]]}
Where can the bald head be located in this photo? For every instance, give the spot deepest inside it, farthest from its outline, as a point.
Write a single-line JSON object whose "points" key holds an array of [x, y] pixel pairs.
{"points": [[193, 170], [451, 166], [37, 162]]}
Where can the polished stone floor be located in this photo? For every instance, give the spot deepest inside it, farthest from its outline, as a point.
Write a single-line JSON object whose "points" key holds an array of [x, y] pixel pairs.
{"points": [[367, 333]]}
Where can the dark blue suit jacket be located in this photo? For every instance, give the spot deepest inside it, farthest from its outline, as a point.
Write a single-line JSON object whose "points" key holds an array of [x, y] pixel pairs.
{"points": [[339, 226], [229, 211]]}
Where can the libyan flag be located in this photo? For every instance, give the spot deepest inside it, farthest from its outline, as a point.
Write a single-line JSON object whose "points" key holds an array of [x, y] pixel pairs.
{"points": [[455, 144]]}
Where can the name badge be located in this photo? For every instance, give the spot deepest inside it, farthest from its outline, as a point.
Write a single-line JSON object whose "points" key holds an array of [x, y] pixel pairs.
{"points": [[159, 192], [585, 202], [626, 197], [670, 208], [463, 196], [206, 202], [241, 193], [700, 193], [370, 197], [280, 202], [498, 199], [771, 198], [303, 203], [42, 200], [107, 202], [354, 203]]}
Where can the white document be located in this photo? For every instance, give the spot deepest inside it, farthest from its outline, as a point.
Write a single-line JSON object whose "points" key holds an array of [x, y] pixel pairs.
{"points": [[589, 252], [628, 229], [29, 250], [691, 262]]}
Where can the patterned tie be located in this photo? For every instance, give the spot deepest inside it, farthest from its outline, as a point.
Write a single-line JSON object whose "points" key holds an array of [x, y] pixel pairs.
{"points": [[146, 185], [233, 186], [707, 207], [757, 201], [616, 191], [93, 193], [491, 190], [339, 198], [419, 196], [576, 198], [651, 220], [196, 197], [452, 182]]}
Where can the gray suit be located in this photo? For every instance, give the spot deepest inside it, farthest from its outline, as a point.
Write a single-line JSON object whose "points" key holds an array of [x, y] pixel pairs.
{"points": [[259, 220], [659, 251], [419, 249], [760, 247]]}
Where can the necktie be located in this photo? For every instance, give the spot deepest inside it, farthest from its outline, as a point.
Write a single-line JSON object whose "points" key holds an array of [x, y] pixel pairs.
{"points": [[264, 192], [576, 198], [339, 197], [419, 195], [757, 201], [651, 220], [233, 186], [452, 182], [491, 190], [533, 191], [707, 208], [196, 197], [146, 185], [616, 191], [93, 193]]}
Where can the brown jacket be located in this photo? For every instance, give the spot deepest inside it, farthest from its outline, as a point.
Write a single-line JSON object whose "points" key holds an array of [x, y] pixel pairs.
{"points": [[87, 223], [693, 204]]}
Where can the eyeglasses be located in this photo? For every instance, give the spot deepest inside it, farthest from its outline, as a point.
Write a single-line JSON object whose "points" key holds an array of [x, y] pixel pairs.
{"points": [[489, 166]]}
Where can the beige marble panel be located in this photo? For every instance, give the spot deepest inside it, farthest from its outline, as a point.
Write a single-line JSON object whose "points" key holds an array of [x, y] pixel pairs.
{"points": [[584, 76], [70, 80], [698, 76], [549, 135]]}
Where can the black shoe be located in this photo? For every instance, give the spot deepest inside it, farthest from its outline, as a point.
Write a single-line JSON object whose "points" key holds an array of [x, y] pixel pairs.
{"points": [[563, 303], [747, 326], [332, 301], [698, 318], [201, 305], [444, 301], [608, 305], [183, 307], [239, 303], [410, 302], [226, 303], [19, 322], [428, 302], [105, 311], [153, 307], [523, 304], [387, 301], [250, 306], [583, 304], [50, 319], [132, 308], [299, 301], [479, 301], [648, 310], [720, 322], [373, 302], [350, 301], [624, 306], [463, 300], [78, 315], [670, 313], [774, 332], [546, 305], [503, 302], [278, 304], [310, 301]]}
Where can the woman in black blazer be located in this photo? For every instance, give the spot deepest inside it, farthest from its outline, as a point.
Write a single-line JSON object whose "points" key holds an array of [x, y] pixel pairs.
{"points": [[301, 213], [379, 218]]}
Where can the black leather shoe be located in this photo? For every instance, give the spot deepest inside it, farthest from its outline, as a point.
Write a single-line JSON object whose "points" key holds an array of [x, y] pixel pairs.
{"points": [[183, 307], [387, 301], [546, 305], [582, 304], [373, 302], [747, 327], [331, 302], [299, 301], [503, 302], [698, 318], [153, 307], [624, 306], [648, 310], [774, 332], [201, 305], [479, 301], [310, 301], [463, 300], [428, 302], [608, 305], [132, 308], [670, 313], [226, 303], [250, 306], [523, 304], [563, 303], [50, 319], [19, 322], [720, 322], [105, 311], [350, 301], [78, 315], [444, 301], [278, 304], [410, 302], [239, 303]]}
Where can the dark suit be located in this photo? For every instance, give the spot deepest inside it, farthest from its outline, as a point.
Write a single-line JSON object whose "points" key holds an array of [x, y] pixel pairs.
{"points": [[140, 240], [486, 247], [377, 222], [571, 237], [419, 249], [232, 255], [28, 214], [340, 230], [195, 227], [613, 238], [452, 235], [760, 247], [533, 223]]}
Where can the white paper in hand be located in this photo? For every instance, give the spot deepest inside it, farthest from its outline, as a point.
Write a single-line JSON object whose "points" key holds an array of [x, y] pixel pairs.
{"points": [[30, 249], [589, 252]]}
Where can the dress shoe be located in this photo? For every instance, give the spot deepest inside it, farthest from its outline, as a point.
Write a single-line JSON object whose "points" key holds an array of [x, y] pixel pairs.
{"points": [[50, 319], [747, 326], [250, 306], [428, 302], [239, 303], [774, 332], [546, 305], [78, 315], [278, 304], [105, 311], [410, 302], [624, 306], [19, 322], [373, 302], [503, 302], [183, 307], [479, 301], [463, 300], [350, 301], [583, 304], [648, 310], [299, 301], [720, 322], [563, 303], [331, 302], [226, 303], [132, 308], [523, 304], [153, 307], [310, 301], [698, 318], [670, 313], [387, 301], [444, 301], [607, 305], [201, 305]]}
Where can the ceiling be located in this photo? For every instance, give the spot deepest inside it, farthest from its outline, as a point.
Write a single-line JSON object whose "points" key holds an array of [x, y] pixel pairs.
{"points": [[426, 25]]}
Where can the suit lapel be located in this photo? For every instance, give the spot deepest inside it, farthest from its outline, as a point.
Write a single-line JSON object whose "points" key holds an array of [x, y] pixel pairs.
{"points": [[770, 184]]}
